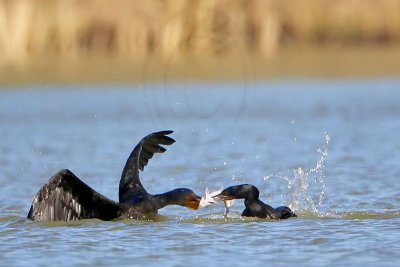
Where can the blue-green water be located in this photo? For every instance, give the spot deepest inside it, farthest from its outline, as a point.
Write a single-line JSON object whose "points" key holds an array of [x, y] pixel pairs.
{"points": [[328, 149]]}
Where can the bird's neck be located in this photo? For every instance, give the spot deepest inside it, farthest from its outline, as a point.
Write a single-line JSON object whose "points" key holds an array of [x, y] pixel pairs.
{"points": [[250, 193], [249, 202], [168, 198]]}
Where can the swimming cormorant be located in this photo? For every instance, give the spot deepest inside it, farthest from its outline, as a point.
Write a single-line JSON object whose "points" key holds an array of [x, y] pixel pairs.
{"points": [[254, 206], [65, 197]]}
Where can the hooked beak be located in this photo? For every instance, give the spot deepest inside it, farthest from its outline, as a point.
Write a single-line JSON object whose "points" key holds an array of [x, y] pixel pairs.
{"points": [[227, 199], [224, 197], [193, 202]]}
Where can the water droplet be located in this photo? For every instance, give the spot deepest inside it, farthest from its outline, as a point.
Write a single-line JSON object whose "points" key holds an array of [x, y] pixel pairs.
{"points": [[266, 177]]}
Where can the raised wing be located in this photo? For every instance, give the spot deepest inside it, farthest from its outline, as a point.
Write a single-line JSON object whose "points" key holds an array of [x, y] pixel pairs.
{"points": [[130, 185], [66, 198]]}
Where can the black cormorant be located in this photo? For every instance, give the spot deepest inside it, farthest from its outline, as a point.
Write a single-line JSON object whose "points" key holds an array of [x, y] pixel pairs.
{"points": [[254, 206], [65, 197]]}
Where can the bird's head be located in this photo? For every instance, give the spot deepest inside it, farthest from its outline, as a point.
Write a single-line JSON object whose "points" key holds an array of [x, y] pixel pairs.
{"points": [[244, 191], [187, 198], [284, 212]]}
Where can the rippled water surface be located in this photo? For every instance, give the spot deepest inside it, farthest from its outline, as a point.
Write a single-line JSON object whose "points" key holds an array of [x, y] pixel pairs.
{"points": [[328, 149]]}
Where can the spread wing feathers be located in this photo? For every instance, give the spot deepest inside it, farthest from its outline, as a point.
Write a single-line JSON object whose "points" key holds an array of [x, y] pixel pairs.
{"points": [[130, 185], [66, 198]]}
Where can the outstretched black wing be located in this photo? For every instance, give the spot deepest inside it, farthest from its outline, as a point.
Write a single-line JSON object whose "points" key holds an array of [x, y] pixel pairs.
{"points": [[130, 185], [66, 198]]}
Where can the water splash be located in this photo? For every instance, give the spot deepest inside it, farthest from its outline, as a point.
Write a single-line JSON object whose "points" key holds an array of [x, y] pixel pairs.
{"points": [[301, 185]]}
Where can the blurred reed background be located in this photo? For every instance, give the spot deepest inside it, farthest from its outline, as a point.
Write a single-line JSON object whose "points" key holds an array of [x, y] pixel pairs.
{"points": [[102, 40]]}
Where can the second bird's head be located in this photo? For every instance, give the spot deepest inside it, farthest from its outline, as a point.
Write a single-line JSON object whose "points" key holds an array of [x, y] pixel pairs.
{"points": [[284, 212]]}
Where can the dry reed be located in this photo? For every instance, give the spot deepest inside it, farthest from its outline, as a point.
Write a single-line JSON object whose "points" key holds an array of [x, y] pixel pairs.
{"points": [[32, 31], [136, 29]]}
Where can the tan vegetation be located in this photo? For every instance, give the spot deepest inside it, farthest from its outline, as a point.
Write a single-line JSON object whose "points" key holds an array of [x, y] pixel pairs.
{"points": [[40, 32]]}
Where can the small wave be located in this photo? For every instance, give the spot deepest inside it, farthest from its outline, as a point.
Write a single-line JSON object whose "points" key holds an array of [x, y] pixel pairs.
{"points": [[219, 218], [348, 215], [97, 222], [368, 215], [86, 222], [9, 219], [211, 218]]}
